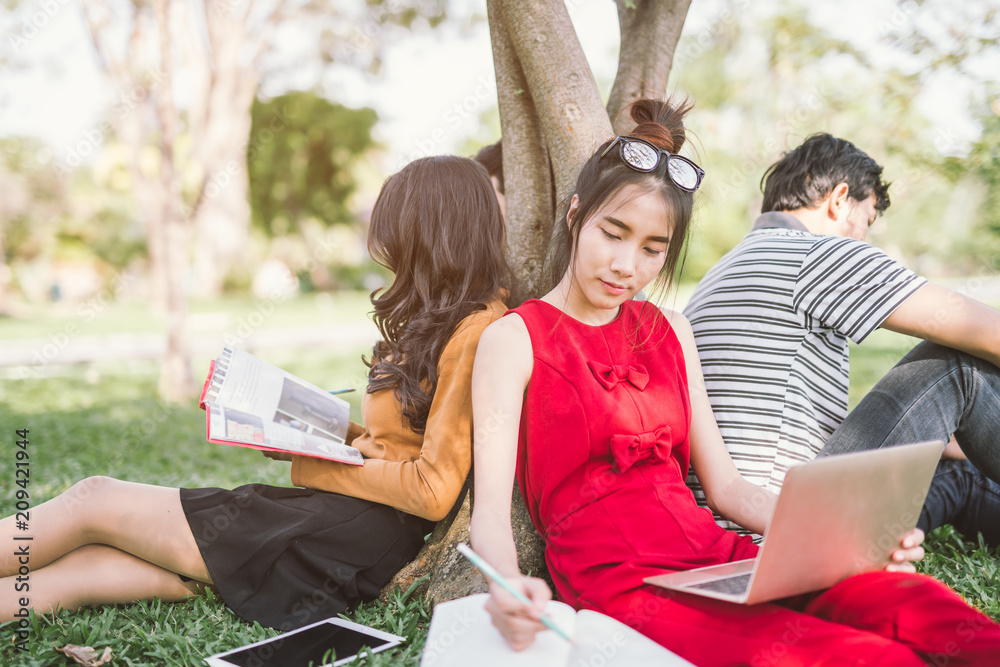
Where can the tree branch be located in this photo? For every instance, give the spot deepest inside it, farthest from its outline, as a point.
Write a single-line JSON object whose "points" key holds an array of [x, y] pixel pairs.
{"points": [[650, 30], [573, 118], [526, 169]]}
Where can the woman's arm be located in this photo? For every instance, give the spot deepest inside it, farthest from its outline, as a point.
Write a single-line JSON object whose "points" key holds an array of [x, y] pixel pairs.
{"points": [[429, 485], [727, 492], [502, 370]]}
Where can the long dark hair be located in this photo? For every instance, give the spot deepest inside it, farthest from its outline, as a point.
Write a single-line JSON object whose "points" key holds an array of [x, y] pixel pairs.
{"points": [[437, 226], [661, 123]]}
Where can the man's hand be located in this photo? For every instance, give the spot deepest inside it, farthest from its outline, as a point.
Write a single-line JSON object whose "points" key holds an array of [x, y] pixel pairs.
{"points": [[277, 456], [909, 551], [953, 450]]}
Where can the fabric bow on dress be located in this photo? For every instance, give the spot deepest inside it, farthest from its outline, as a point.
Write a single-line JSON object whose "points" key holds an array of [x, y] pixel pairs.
{"points": [[627, 450], [610, 376]]}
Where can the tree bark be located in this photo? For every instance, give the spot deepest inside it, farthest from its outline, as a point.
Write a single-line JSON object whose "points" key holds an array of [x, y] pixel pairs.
{"points": [[452, 576], [573, 119], [176, 380], [527, 173], [650, 30]]}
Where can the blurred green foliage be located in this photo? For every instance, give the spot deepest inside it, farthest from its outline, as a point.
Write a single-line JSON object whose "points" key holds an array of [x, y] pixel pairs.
{"points": [[49, 213], [301, 158], [767, 76]]}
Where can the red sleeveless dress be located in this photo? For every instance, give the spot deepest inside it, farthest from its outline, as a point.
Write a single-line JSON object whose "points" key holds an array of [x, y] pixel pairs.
{"points": [[603, 453], [602, 459]]}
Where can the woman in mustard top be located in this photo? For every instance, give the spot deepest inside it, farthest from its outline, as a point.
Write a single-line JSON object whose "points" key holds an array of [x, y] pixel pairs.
{"points": [[286, 557]]}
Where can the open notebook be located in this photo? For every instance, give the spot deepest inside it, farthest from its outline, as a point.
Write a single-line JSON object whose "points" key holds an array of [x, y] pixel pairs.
{"points": [[461, 634]]}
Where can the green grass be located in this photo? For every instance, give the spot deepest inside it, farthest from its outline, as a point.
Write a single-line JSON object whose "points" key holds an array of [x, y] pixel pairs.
{"points": [[81, 425], [971, 569], [100, 316], [109, 423]]}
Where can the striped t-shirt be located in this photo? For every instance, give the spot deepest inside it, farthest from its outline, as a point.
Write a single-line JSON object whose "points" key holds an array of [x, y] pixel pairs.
{"points": [[771, 320]]}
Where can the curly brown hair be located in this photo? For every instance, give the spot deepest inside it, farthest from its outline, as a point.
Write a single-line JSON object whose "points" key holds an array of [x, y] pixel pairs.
{"points": [[437, 226]]}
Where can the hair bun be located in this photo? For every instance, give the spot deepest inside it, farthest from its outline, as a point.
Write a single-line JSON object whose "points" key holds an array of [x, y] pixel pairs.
{"points": [[660, 122]]}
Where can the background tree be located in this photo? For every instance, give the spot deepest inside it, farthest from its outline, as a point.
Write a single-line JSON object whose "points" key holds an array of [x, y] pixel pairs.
{"points": [[32, 202], [220, 45], [301, 160], [767, 76]]}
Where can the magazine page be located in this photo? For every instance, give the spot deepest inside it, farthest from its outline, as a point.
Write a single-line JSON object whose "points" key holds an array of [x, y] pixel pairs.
{"points": [[243, 382], [230, 426]]}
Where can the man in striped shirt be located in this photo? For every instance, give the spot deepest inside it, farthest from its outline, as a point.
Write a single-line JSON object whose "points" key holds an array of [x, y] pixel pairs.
{"points": [[772, 321]]}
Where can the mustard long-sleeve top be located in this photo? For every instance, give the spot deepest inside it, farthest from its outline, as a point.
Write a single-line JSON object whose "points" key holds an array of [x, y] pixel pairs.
{"points": [[417, 473]]}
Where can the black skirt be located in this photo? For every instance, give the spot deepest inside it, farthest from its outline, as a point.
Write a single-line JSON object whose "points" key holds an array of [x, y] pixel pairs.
{"points": [[287, 557]]}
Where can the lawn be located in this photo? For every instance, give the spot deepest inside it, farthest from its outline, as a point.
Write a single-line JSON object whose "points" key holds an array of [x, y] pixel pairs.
{"points": [[103, 421]]}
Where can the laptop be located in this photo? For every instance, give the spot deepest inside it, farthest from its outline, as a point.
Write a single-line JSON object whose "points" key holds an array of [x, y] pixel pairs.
{"points": [[835, 517]]}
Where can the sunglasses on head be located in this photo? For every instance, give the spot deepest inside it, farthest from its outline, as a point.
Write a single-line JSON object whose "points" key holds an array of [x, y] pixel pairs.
{"points": [[643, 156]]}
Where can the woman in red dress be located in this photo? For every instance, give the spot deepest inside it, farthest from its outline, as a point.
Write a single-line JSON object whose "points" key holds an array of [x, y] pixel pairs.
{"points": [[612, 410]]}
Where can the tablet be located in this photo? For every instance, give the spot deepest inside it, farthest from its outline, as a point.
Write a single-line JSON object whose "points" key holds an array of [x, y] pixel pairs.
{"points": [[327, 643]]}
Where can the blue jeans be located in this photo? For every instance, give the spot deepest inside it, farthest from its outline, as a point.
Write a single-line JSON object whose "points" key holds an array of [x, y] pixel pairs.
{"points": [[932, 392]]}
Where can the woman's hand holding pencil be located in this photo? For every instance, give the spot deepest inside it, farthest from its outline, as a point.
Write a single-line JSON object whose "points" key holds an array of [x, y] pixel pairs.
{"points": [[516, 604]]}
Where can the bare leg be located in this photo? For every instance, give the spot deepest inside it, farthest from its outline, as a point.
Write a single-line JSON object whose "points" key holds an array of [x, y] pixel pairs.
{"points": [[94, 575], [140, 519]]}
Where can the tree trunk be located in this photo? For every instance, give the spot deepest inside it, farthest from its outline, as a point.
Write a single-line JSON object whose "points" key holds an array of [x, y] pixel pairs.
{"points": [[650, 30], [225, 87], [222, 226], [452, 576], [573, 119], [176, 380], [135, 80], [527, 173]]}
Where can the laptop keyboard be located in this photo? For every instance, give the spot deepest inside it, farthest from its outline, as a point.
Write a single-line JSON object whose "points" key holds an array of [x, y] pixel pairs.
{"points": [[732, 585]]}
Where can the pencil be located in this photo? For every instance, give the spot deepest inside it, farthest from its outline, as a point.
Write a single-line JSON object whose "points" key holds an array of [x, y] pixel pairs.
{"points": [[492, 574]]}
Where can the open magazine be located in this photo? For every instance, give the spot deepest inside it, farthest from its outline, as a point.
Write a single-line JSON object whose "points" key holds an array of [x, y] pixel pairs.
{"points": [[250, 403]]}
